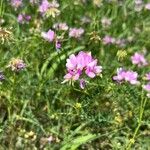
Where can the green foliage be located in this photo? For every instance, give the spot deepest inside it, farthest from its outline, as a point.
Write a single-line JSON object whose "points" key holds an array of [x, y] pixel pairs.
{"points": [[37, 111]]}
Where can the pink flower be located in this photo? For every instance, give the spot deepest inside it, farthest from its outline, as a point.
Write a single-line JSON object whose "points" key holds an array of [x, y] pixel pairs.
{"points": [[79, 64], [148, 76], [76, 32], [147, 6], [82, 83], [108, 40], [138, 59], [129, 76], [60, 26], [16, 3], [44, 6], [120, 75], [58, 44], [48, 36], [147, 88], [23, 18]]}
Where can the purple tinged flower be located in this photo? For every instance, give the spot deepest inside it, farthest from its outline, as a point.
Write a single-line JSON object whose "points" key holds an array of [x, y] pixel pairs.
{"points": [[120, 42], [20, 18], [147, 6], [23, 18], [129, 76], [16, 64], [108, 40], [60, 26], [138, 2], [16, 3], [57, 44], [82, 83], [147, 76], [48, 36], [79, 64], [138, 5], [44, 6], [138, 59], [147, 88], [76, 32], [120, 75]]}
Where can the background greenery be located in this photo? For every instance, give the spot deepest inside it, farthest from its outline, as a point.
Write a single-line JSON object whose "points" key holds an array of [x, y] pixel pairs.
{"points": [[34, 105]]}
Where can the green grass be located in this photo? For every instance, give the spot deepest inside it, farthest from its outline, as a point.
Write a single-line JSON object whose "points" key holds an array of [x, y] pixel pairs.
{"points": [[104, 115]]}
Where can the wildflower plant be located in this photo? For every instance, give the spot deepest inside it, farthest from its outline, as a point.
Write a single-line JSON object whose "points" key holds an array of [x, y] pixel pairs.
{"points": [[99, 50], [78, 65]]}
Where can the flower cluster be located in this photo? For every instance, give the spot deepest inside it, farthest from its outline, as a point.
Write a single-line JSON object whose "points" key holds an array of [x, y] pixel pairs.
{"points": [[126, 75], [16, 64], [16, 3], [111, 40], [50, 36], [79, 64], [146, 87], [76, 32], [49, 8], [138, 59], [23, 18], [61, 26]]}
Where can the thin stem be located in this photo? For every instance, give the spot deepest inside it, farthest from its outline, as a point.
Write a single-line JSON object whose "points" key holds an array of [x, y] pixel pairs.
{"points": [[143, 103]]}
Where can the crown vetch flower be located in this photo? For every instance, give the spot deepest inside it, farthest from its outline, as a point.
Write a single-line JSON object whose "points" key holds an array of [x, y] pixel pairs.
{"points": [[129, 76], [147, 88], [16, 3], [76, 32], [44, 6], [61, 26], [108, 40], [81, 64], [147, 76], [23, 18], [147, 6], [48, 36], [16, 64], [138, 59]]}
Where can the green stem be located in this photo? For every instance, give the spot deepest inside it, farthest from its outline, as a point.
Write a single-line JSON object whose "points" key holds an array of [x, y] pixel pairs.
{"points": [[143, 103]]}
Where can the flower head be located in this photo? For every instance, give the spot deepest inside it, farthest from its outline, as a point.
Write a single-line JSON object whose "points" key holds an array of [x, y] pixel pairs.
{"points": [[108, 40], [16, 3], [48, 36], [147, 76], [81, 64], [16, 64], [76, 32], [23, 18], [129, 76], [147, 6], [49, 8], [138, 59], [60, 26]]}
